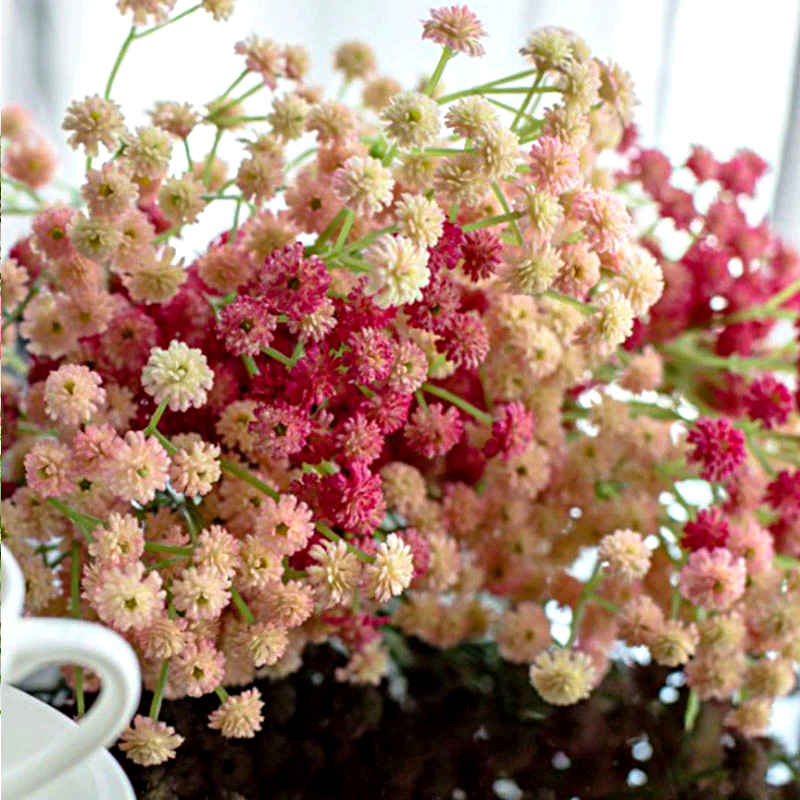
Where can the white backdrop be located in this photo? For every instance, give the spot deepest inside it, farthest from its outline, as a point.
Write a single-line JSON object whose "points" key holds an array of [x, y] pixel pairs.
{"points": [[714, 71]]}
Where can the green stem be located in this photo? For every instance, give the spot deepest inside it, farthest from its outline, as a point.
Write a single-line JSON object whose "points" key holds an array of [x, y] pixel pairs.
{"points": [[278, 356], [168, 22], [189, 161], [210, 158], [173, 549], [241, 98], [480, 89], [446, 55], [481, 416], [85, 522], [584, 308], [329, 229], [527, 100], [299, 159], [24, 188], [501, 198], [488, 222], [692, 710], [164, 442], [162, 237], [75, 603], [242, 75], [250, 365], [240, 472], [235, 225], [328, 533], [580, 606], [156, 418], [221, 693], [120, 55], [158, 695], [241, 606]]}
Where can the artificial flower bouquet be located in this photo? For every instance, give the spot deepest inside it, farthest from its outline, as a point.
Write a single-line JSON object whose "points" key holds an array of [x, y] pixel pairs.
{"points": [[467, 366]]}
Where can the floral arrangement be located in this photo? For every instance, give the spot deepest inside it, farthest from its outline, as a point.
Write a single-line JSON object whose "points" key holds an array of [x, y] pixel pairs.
{"points": [[461, 344]]}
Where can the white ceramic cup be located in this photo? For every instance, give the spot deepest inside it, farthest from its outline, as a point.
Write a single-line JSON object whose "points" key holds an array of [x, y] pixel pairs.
{"points": [[33, 642]]}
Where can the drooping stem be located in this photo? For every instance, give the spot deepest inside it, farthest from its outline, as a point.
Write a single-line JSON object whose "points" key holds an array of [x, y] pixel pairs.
{"points": [[120, 56], [85, 522], [169, 21], [479, 415]]}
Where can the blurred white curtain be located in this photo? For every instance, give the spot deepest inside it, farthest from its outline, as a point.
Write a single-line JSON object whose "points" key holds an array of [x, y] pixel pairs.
{"points": [[707, 71]]}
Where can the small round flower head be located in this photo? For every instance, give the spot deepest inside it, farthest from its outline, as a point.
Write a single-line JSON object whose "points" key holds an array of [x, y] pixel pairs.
{"points": [[148, 152], [470, 116], [482, 254], [563, 677], [754, 544], [234, 425], [261, 565], [264, 642], [259, 176], [722, 632], [612, 324], [674, 642], [364, 184], [419, 219], [141, 467], [195, 467], [286, 523], [639, 619], [48, 468], [148, 742], [379, 91], [246, 326], [410, 368], [359, 440], [626, 554], [715, 677], [455, 27], [109, 191], [96, 238], [542, 210], [179, 119], [219, 9], [199, 669], [412, 119], [768, 400], [496, 151], [523, 633], [548, 49], [751, 718], [201, 593], [179, 376], [283, 428], [616, 88], [217, 550], [713, 579], [367, 666], [607, 223], [239, 716], [554, 165], [94, 449], [156, 278], [73, 394], [121, 542], [640, 279], [769, 677], [354, 60], [93, 121], [288, 604], [126, 599], [334, 574], [135, 242], [298, 62], [181, 199], [718, 447], [536, 270], [433, 431], [399, 271], [14, 281], [332, 121], [392, 570], [50, 228], [15, 122], [31, 160], [263, 56], [288, 116]]}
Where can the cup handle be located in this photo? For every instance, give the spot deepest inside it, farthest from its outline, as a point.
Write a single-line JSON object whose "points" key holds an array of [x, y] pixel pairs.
{"points": [[39, 642]]}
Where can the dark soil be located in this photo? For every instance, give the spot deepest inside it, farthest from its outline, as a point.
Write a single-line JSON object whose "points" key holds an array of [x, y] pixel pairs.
{"points": [[467, 720]]}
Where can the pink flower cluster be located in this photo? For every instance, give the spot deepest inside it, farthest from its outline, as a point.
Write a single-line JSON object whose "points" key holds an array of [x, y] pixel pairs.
{"points": [[391, 375]]}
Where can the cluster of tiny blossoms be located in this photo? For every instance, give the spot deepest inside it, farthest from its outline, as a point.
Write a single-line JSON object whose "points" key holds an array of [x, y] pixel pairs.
{"points": [[430, 363]]}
